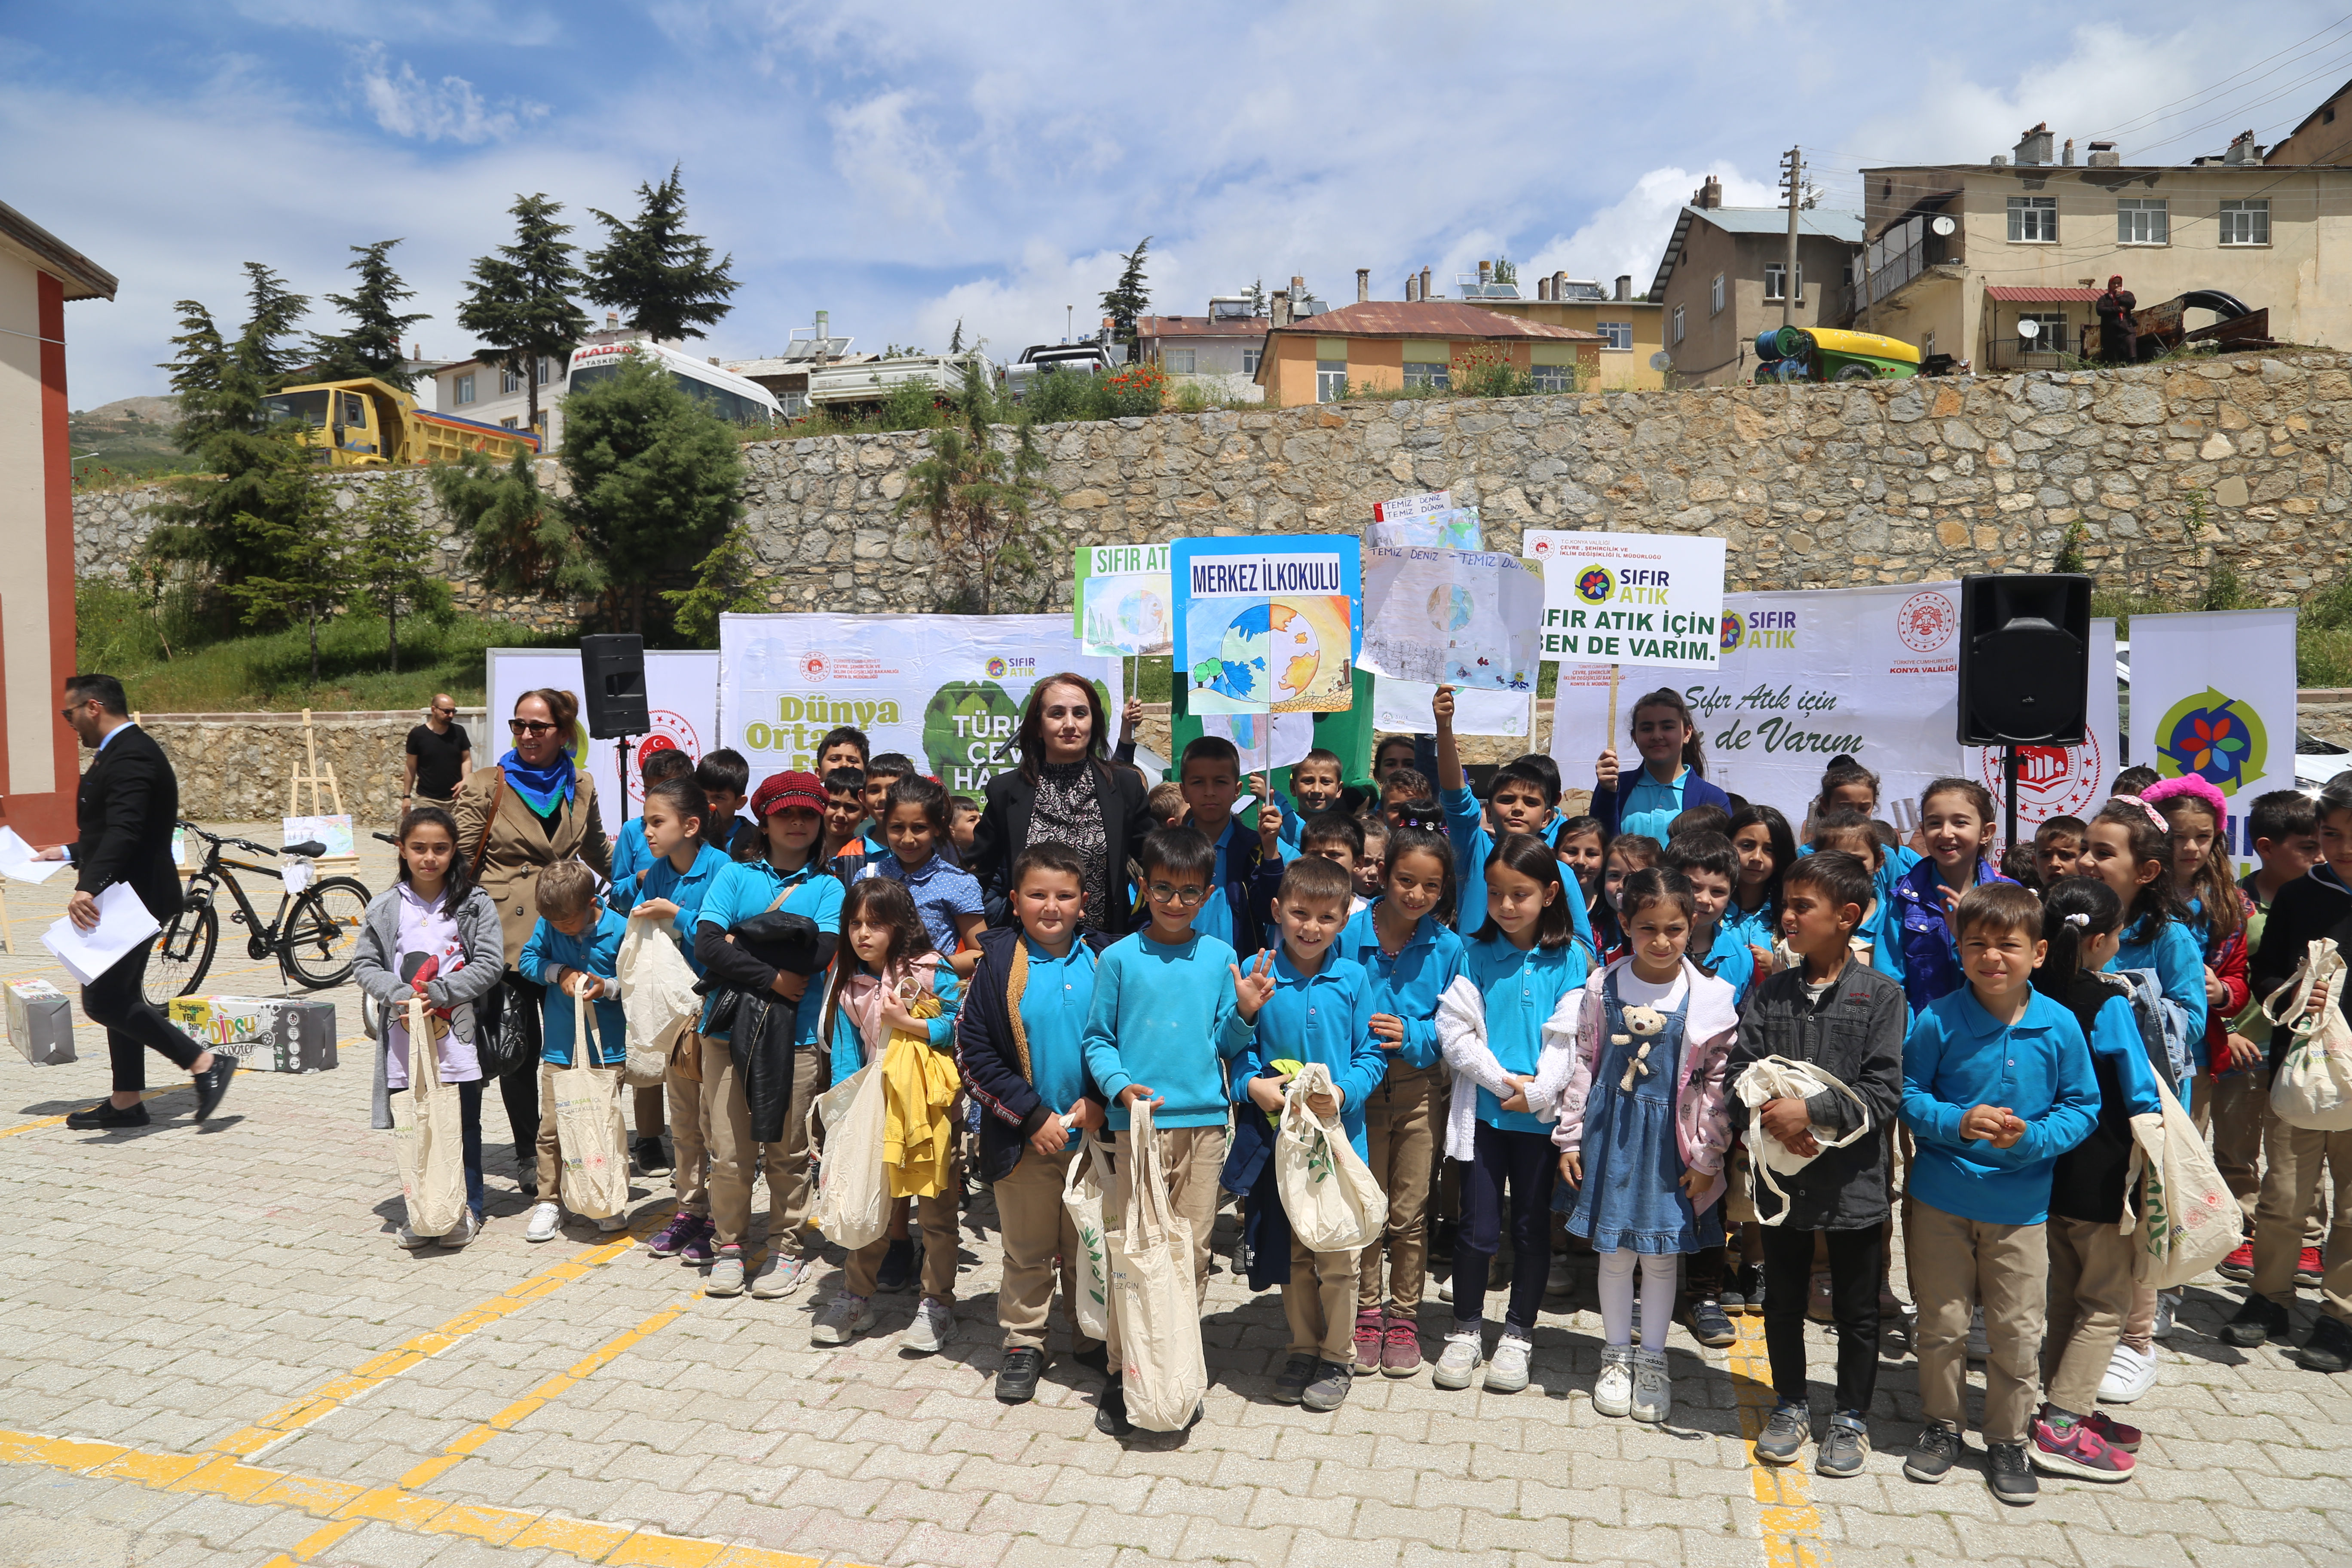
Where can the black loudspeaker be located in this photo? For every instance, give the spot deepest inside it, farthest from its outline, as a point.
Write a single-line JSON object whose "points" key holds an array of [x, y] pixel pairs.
{"points": [[2025, 659], [612, 667]]}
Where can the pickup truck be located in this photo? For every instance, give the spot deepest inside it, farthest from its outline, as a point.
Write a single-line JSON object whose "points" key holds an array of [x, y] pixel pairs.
{"points": [[1091, 357], [870, 381]]}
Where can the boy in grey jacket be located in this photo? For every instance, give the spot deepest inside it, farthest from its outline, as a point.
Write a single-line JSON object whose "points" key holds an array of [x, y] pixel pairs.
{"points": [[1846, 1020]]}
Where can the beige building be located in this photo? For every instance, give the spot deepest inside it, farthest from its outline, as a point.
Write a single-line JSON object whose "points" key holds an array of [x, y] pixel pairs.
{"points": [[2324, 137], [1382, 345], [1217, 352], [1723, 280], [1960, 254]]}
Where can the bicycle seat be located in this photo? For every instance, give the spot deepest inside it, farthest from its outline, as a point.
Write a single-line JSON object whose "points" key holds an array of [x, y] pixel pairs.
{"points": [[309, 848]]}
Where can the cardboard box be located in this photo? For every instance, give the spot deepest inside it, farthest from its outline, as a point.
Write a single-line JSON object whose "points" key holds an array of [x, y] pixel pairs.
{"points": [[40, 1022], [269, 1033]]}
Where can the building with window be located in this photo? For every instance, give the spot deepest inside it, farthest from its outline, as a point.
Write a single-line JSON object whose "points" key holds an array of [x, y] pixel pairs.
{"points": [[488, 391], [1724, 278], [1631, 331], [1390, 345], [1217, 352], [1964, 258]]}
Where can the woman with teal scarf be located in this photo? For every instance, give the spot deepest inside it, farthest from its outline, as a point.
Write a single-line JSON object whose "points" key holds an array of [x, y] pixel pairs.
{"points": [[533, 808]]}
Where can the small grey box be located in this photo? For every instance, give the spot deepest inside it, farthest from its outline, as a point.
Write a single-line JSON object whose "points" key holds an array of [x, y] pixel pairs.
{"points": [[40, 1022]]}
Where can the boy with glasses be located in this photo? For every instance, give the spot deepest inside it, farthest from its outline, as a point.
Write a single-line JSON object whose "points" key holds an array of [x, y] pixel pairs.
{"points": [[439, 754]]}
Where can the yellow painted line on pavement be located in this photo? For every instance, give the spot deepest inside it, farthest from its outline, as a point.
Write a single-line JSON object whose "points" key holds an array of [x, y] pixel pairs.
{"points": [[345, 1506], [281, 1424], [1792, 1524], [59, 1120], [448, 1457]]}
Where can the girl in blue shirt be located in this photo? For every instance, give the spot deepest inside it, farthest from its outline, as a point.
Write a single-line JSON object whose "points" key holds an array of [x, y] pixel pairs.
{"points": [[2129, 847], [1766, 849], [1671, 778], [1956, 819], [1519, 967], [1412, 958]]}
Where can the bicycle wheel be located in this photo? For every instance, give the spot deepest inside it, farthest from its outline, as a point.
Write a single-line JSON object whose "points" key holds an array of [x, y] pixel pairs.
{"points": [[322, 934], [177, 965]]}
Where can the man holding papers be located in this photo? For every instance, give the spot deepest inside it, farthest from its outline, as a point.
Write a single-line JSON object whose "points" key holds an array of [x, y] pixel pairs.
{"points": [[127, 806]]}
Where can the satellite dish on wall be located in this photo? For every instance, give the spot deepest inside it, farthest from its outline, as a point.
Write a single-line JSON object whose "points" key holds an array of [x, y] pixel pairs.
{"points": [[2029, 329], [1944, 225], [1662, 360]]}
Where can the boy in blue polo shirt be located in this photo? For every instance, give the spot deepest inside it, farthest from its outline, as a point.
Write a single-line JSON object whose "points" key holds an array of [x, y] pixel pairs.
{"points": [[1247, 865], [571, 953], [1996, 1084], [1518, 801], [789, 878], [1711, 866], [1312, 1005]]}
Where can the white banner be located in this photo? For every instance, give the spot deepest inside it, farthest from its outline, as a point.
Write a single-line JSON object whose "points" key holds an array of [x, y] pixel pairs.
{"points": [[947, 691], [2213, 694], [1870, 673], [1652, 599], [681, 696], [1470, 618], [1403, 705], [2064, 780]]}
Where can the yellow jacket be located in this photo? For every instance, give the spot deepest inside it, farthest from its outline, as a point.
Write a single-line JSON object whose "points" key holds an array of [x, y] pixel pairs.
{"points": [[919, 1092]]}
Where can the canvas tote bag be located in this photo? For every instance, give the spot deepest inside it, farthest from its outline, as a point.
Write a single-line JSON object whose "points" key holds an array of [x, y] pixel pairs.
{"points": [[428, 1130], [852, 1188], [1082, 1198], [2188, 1219], [1780, 1077], [1334, 1204], [2313, 1085], [1164, 1374], [588, 1130], [658, 999]]}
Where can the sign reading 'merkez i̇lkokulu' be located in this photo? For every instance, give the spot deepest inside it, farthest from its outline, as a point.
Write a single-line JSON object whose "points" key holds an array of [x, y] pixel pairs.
{"points": [[1630, 598]]}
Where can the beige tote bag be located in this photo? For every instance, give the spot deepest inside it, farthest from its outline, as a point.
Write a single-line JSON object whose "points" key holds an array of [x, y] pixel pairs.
{"points": [[852, 1189], [1327, 1191], [1164, 1375], [588, 1130], [428, 1133], [1082, 1197], [658, 999]]}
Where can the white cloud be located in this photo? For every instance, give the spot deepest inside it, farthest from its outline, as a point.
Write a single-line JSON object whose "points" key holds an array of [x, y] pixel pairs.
{"points": [[408, 106], [1630, 237], [880, 147]]}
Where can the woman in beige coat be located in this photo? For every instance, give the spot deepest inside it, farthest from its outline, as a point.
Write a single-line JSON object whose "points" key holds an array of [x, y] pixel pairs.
{"points": [[532, 809]]}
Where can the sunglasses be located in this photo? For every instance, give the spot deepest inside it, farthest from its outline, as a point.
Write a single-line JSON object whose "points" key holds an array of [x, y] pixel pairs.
{"points": [[530, 727]]}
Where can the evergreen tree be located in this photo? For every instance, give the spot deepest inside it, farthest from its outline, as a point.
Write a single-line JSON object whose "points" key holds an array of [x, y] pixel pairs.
{"points": [[372, 344], [519, 301], [955, 343], [303, 568], [515, 541], [1128, 299], [271, 311], [659, 278], [654, 476], [394, 567], [976, 489], [724, 584], [1256, 292]]}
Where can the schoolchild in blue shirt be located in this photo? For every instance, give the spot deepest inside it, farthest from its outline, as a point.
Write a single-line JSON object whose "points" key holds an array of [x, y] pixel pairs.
{"points": [[1411, 956], [1996, 1084], [1712, 868], [757, 1089], [1956, 819], [2129, 847], [1518, 967], [1314, 788], [1766, 847], [1670, 780], [1247, 864], [1312, 1006], [572, 952], [915, 820], [1522, 800], [880, 774]]}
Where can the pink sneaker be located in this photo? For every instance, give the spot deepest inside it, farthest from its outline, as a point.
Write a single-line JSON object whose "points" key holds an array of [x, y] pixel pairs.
{"points": [[2116, 1433], [1400, 1348], [2079, 1452], [1369, 1326]]}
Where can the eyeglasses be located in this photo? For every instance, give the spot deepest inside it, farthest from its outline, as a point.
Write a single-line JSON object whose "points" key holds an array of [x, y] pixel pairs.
{"points": [[530, 727], [445, 712], [1184, 898]]}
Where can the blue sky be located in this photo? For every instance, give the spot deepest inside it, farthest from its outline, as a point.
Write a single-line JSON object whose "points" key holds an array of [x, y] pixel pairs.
{"points": [[909, 166]]}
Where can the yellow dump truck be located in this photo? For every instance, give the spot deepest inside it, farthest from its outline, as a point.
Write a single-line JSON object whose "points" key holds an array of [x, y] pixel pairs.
{"points": [[365, 423]]}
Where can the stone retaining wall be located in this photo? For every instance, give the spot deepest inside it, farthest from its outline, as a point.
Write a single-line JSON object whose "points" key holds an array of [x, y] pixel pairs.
{"points": [[235, 767]]}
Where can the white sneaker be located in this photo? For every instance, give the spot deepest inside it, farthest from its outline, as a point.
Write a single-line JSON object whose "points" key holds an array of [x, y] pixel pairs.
{"points": [[409, 1239], [545, 1220], [1979, 1346], [1653, 1391], [2130, 1373], [1508, 1372], [1446, 1289], [843, 1318], [1459, 1361], [934, 1321], [1612, 1392], [612, 1222], [782, 1275], [2166, 1301], [464, 1230]]}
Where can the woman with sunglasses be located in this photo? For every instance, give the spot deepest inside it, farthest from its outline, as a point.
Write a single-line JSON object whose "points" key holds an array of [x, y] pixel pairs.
{"points": [[514, 819]]}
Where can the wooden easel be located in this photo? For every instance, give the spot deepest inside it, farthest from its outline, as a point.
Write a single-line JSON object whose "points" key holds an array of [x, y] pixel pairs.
{"points": [[306, 771]]}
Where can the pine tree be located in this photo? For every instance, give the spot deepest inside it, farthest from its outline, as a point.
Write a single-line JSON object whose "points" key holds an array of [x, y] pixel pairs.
{"points": [[394, 567], [271, 311], [1256, 292], [976, 492], [519, 301], [723, 584], [515, 541], [1128, 299], [305, 561], [955, 343], [372, 345], [660, 279]]}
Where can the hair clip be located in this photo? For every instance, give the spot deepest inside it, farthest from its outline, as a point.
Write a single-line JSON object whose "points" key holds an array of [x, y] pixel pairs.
{"points": [[2079, 922], [2153, 815]]}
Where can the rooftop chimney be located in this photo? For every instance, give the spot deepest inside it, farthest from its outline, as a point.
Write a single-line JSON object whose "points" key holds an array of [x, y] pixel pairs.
{"points": [[2104, 155], [2033, 147], [2242, 150], [2068, 156], [1424, 283], [1709, 195], [1624, 286], [1543, 287], [1412, 287], [1363, 284], [1280, 306], [1560, 284]]}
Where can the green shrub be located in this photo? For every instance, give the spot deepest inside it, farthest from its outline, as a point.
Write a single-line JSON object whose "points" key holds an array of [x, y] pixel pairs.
{"points": [[1058, 397]]}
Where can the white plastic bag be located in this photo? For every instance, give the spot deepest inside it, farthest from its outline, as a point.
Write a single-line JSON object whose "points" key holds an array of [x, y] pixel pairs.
{"points": [[1082, 1197], [1334, 1204], [1782, 1078], [657, 999], [588, 1129], [852, 1192], [2313, 1085], [428, 1130], [1163, 1372], [2188, 1220]]}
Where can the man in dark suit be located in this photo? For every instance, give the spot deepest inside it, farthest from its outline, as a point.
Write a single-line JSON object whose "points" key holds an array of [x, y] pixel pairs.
{"points": [[127, 806]]}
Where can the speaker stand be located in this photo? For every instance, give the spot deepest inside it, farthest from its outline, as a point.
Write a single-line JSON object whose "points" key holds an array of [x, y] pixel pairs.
{"points": [[621, 775], [2009, 771]]}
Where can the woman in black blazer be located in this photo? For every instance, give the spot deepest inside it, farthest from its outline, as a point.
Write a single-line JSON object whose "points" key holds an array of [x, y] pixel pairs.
{"points": [[1066, 791]]}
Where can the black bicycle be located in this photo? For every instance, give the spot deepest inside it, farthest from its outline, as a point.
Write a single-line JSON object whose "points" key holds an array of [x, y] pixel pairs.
{"points": [[314, 934]]}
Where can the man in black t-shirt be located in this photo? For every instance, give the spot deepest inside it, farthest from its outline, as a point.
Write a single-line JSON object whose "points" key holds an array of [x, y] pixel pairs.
{"points": [[439, 756]]}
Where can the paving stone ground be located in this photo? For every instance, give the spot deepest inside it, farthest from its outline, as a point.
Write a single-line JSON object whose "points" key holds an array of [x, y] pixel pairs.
{"points": [[170, 1291]]}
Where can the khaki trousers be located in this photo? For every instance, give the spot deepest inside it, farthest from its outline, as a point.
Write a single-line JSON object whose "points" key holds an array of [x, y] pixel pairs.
{"points": [[937, 1215], [1402, 1132], [689, 1139], [1956, 1265], [2242, 1120], [2295, 1154], [735, 1160], [1038, 1235], [1192, 1157], [647, 1121], [1318, 1300], [2091, 1293]]}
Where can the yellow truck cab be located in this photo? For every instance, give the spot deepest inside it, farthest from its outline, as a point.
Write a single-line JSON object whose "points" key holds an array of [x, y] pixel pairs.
{"points": [[365, 423]]}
